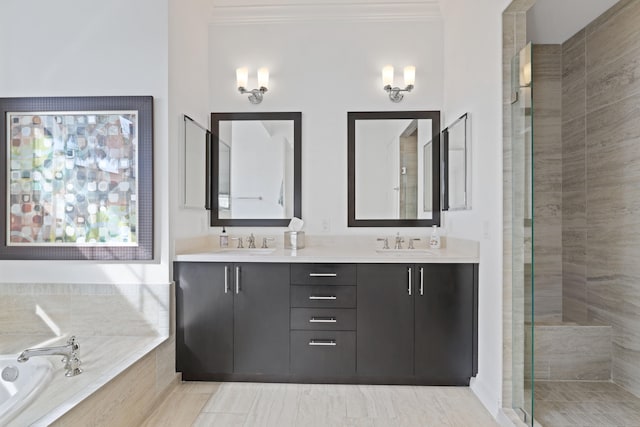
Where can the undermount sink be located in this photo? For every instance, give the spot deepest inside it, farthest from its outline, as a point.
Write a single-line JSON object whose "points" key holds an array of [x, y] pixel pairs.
{"points": [[406, 252], [244, 251]]}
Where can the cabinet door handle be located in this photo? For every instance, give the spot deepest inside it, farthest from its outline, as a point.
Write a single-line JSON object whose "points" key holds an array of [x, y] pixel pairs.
{"points": [[226, 279], [323, 342], [237, 280], [421, 281], [316, 297], [323, 320], [323, 274], [409, 286]]}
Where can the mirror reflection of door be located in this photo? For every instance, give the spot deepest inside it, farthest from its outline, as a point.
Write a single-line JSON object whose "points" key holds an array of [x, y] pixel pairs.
{"points": [[255, 172], [408, 203], [393, 177]]}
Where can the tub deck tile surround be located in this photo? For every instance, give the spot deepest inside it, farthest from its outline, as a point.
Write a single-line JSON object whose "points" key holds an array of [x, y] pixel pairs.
{"points": [[124, 337], [283, 405], [103, 358]]}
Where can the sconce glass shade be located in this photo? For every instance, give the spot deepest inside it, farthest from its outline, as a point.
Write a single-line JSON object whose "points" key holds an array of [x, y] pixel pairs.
{"points": [[387, 76], [242, 77], [263, 77], [409, 75], [525, 66]]}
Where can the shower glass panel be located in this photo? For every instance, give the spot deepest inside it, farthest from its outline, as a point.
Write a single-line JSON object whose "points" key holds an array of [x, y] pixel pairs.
{"points": [[522, 234]]}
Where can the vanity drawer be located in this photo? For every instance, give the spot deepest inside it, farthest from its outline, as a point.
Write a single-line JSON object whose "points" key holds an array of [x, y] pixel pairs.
{"points": [[323, 353], [323, 296], [323, 274], [328, 319]]}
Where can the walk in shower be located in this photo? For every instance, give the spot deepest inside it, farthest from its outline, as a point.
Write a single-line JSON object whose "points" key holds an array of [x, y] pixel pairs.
{"points": [[575, 153]]}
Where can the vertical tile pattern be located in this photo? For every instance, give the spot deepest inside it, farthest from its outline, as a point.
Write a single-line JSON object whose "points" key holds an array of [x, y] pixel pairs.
{"points": [[547, 177], [574, 197], [601, 177]]}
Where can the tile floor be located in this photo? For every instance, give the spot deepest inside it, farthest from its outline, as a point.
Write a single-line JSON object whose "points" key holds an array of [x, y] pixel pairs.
{"points": [[204, 404], [585, 403]]}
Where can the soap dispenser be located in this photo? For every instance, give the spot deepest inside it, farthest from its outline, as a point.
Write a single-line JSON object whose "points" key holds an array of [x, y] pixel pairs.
{"points": [[224, 239], [434, 241]]}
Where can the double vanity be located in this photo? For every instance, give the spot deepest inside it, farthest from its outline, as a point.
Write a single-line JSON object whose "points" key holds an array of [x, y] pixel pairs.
{"points": [[334, 312]]}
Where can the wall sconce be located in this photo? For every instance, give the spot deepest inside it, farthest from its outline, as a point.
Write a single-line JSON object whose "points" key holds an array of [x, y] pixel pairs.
{"points": [[395, 92], [242, 77]]}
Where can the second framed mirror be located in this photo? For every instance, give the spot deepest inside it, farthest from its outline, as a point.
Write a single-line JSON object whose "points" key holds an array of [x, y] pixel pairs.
{"points": [[394, 169], [256, 168]]}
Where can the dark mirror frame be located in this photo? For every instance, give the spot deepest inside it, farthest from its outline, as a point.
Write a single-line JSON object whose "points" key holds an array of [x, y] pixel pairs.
{"points": [[434, 116], [216, 118]]}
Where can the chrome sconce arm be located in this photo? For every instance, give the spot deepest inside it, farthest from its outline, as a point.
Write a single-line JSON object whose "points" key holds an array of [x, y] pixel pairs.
{"points": [[255, 96], [395, 93]]}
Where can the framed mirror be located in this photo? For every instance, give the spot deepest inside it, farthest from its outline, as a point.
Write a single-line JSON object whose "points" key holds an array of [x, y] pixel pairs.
{"points": [[255, 168], [456, 165], [394, 169], [197, 145]]}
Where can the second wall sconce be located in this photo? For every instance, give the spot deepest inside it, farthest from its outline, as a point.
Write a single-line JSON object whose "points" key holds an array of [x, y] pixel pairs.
{"points": [[395, 92], [256, 95]]}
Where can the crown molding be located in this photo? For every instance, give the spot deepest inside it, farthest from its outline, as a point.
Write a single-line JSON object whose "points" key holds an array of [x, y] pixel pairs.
{"points": [[427, 10]]}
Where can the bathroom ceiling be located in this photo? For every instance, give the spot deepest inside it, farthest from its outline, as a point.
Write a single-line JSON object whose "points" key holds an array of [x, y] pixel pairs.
{"points": [[555, 21]]}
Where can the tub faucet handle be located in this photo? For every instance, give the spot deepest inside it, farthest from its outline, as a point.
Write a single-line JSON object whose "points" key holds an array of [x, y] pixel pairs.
{"points": [[411, 243], [385, 245], [265, 242], [239, 239]]}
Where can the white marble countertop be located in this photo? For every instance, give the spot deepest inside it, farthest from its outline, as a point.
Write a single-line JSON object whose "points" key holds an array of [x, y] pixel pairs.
{"points": [[339, 249]]}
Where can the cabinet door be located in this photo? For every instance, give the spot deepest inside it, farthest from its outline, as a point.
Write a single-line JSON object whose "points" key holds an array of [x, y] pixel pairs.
{"points": [[204, 308], [385, 320], [444, 313], [261, 318]]}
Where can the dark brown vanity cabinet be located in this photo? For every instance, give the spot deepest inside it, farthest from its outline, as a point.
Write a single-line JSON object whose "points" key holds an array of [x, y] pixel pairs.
{"points": [[417, 322], [345, 323], [232, 320]]}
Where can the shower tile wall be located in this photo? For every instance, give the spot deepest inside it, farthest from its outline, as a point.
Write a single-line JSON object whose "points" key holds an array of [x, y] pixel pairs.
{"points": [[547, 175], [601, 182]]}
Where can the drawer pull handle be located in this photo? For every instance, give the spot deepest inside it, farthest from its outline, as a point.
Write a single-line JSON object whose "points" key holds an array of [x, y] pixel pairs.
{"points": [[323, 320], [421, 281], [316, 297], [409, 282], [323, 274], [323, 342]]}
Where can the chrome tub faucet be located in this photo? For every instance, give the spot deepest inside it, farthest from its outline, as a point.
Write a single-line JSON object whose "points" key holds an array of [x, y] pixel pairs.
{"points": [[70, 353]]}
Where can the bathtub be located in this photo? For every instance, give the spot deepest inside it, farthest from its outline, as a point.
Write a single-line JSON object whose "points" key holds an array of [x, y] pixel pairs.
{"points": [[31, 377]]}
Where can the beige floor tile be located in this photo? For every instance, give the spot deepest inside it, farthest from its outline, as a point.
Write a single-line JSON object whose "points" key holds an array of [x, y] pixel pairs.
{"points": [[233, 398], [322, 405], [219, 420], [178, 409]]}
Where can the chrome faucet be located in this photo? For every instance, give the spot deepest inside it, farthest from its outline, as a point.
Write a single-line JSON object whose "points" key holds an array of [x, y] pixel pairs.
{"points": [[399, 241], [69, 352], [251, 241]]}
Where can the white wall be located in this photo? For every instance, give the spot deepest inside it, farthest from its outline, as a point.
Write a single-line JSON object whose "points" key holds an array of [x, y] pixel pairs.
{"points": [[473, 83], [71, 48], [189, 93], [326, 68]]}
